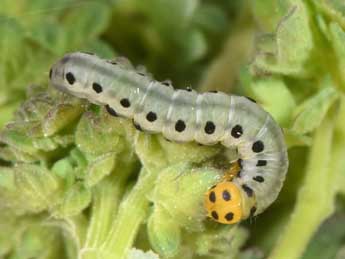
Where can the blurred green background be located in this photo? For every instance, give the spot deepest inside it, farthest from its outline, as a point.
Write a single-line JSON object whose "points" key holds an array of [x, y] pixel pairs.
{"points": [[288, 55]]}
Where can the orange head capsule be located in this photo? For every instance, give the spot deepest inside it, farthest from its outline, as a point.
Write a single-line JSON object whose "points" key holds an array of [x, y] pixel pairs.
{"points": [[223, 203]]}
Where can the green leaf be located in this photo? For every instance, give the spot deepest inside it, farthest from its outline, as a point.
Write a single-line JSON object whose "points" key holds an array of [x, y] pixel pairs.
{"points": [[64, 169], [16, 155], [310, 113], [187, 152], [269, 13], [333, 9], [294, 44], [38, 241], [292, 138], [6, 112], [337, 40], [82, 28], [75, 200], [210, 17], [328, 240], [91, 138], [8, 224], [220, 241], [194, 44], [165, 13], [100, 47], [164, 233], [180, 191], [99, 168], [338, 166], [16, 139], [49, 36], [34, 188], [273, 94], [59, 117]]}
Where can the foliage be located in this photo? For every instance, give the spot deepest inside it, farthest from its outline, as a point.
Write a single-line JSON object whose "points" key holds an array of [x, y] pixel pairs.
{"points": [[75, 182]]}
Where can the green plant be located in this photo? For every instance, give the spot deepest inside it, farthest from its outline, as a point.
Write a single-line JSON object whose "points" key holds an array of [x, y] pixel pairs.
{"points": [[76, 182]]}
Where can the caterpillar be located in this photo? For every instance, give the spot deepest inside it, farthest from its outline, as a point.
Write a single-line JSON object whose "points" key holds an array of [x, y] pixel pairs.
{"points": [[184, 115]]}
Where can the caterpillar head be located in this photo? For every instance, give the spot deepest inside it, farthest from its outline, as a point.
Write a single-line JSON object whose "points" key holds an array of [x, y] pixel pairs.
{"points": [[225, 203], [68, 74]]}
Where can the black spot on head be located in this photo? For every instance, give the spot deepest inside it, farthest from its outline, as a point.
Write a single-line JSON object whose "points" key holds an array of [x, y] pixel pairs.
{"points": [[248, 190], [112, 62], [229, 216], [226, 195], [250, 99], [125, 103], [252, 211], [258, 146], [261, 163], [137, 126], [50, 73], [189, 89], [180, 126], [209, 127], [259, 179], [70, 78], [97, 88], [214, 215], [213, 91], [111, 111], [151, 116], [212, 197], [237, 131]]}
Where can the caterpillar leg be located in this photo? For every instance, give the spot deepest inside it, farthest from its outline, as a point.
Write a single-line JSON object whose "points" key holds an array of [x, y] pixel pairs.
{"points": [[226, 202]]}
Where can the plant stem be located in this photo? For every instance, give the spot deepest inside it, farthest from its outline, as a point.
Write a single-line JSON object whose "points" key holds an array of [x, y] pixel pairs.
{"points": [[315, 199], [106, 199], [105, 202], [132, 212]]}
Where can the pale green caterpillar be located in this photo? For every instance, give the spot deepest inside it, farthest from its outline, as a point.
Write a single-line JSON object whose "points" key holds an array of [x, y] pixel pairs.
{"points": [[185, 115]]}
